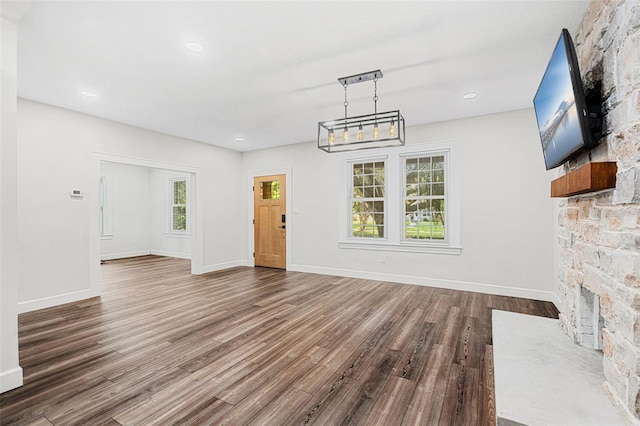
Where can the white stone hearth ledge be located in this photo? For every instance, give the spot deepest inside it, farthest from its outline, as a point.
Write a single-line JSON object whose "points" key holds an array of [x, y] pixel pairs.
{"points": [[543, 378]]}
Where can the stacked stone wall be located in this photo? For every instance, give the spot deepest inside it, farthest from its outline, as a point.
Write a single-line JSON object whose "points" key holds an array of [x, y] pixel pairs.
{"points": [[599, 234]]}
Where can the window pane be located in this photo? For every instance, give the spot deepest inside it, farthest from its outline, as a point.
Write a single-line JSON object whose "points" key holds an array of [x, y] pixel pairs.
{"points": [[411, 166], [379, 173], [438, 189], [102, 203], [424, 164], [357, 181], [367, 200], [438, 220], [424, 198], [424, 189], [368, 192], [364, 222], [179, 218], [410, 219], [180, 192], [270, 190]]}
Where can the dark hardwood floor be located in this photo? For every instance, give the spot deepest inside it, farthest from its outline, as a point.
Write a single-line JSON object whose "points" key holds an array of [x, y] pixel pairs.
{"points": [[258, 346]]}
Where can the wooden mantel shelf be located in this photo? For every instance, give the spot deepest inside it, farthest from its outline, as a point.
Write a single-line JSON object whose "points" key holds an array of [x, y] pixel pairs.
{"points": [[588, 178]]}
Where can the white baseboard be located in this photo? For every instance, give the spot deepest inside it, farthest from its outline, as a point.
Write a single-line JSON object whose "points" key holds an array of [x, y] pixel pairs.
{"points": [[125, 255], [170, 254], [47, 302], [556, 300], [10, 379], [546, 296], [225, 265]]}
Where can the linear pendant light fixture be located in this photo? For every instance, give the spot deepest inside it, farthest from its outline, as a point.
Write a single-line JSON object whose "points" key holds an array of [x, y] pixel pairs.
{"points": [[377, 130]]}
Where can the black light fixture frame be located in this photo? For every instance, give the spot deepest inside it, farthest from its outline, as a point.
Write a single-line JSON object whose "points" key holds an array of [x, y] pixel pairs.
{"points": [[355, 126]]}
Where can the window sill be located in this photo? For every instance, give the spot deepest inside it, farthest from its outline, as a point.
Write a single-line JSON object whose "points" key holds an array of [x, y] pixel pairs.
{"points": [[106, 237], [404, 247], [183, 235]]}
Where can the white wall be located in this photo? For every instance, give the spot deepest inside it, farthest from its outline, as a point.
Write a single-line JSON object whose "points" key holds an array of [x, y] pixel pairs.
{"points": [[507, 213], [10, 371], [139, 212], [55, 156], [162, 242], [129, 198]]}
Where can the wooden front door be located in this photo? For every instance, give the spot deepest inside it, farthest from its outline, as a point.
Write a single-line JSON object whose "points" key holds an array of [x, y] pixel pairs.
{"points": [[270, 232]]}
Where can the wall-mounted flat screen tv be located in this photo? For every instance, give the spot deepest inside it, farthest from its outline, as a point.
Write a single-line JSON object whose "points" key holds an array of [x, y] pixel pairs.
{"points": [[561, 108]]}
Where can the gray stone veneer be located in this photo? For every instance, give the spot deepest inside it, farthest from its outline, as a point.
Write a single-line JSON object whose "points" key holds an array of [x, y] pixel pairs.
{"points": [[599, 234]]}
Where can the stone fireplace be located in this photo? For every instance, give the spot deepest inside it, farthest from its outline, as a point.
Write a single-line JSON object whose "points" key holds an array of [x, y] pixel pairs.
{"points": [[590, 322], [599, 234]]}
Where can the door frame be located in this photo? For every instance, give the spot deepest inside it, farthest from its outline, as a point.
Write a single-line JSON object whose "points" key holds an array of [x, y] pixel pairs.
{"points": [[288, 174], [196, 216]]}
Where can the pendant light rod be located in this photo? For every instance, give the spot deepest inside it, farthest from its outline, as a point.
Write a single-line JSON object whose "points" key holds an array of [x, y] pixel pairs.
{"points": [[360, 78]]}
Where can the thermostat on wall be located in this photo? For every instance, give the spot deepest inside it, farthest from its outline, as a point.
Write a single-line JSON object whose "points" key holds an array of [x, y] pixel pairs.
{"points": [[77, 194]]}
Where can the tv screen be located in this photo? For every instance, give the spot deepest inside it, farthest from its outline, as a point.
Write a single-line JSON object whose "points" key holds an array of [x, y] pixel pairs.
{"points": [[560, 106]]}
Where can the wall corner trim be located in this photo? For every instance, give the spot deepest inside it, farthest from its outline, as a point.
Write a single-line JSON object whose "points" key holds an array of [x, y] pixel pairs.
{"points": [[10, 379]]}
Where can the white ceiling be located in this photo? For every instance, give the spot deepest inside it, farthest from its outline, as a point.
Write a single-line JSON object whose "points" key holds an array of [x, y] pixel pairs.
{"points": [[269, 70]]}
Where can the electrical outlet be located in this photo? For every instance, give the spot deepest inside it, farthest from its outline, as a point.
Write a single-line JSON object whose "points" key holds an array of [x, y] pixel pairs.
{"points": [[383, 258]]}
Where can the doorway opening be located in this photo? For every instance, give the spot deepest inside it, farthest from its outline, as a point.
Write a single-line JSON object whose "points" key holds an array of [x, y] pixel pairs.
{"points": [[143, 207]]}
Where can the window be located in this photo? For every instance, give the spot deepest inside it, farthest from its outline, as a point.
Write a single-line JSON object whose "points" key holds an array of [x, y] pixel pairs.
{"points": [[270, 190], [104, 204], [424, 197], [178, 218], [402, 199], [367, 199]]}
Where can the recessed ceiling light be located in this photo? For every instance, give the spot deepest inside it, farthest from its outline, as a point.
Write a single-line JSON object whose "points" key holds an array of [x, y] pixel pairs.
{"points": [[469, 95], [88, 94], [195, 47], [239, 139]]}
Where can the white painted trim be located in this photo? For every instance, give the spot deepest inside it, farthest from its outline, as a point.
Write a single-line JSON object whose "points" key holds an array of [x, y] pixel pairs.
{"points": [[288, 172], [556, 300], [59, 299], [394, 200], [10, 379], [402, 247], [170, 254], [177, 234], [430, 282], [125, 255], [143, 162], [225, 265], [196, 215]]}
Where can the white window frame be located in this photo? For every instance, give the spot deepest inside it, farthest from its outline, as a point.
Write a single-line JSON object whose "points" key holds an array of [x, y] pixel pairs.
{"points": [[349, 218], [403, 158], [171, 231], [105, 209], [394, 199]]}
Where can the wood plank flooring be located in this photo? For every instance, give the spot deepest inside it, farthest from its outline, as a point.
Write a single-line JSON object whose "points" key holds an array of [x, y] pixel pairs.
{"points": [[258, 346]]}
